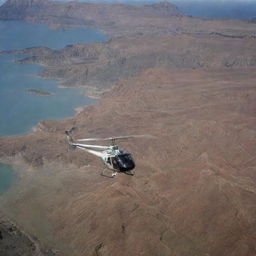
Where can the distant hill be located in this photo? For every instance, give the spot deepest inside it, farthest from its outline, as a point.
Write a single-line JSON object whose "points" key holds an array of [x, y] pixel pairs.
{"points": [[118, 19], [114, 19], [77, 13]]}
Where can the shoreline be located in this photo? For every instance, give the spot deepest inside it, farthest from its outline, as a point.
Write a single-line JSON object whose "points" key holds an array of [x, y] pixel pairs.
{"points": [[39, 92]]}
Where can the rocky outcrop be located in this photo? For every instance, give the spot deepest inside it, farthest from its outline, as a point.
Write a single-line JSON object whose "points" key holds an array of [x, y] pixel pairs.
{"points": [[39, 92], [13, 241]]}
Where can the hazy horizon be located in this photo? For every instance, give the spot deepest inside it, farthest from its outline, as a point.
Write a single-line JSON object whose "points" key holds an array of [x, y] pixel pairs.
{"points": [[237, 9]]}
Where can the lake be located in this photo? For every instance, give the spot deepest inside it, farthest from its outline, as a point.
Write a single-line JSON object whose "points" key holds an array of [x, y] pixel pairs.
{"points": [[20, 111]]}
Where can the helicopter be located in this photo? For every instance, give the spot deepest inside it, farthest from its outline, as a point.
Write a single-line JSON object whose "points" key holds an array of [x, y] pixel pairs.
{"points": [[112, 156]]}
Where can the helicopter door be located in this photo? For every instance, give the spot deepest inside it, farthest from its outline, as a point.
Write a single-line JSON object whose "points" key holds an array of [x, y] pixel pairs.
{"points": [[108, 160], [114, 163]]}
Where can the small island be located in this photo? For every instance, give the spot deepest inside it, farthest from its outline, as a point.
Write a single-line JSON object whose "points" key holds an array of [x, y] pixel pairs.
{"points": [[39, 92]]}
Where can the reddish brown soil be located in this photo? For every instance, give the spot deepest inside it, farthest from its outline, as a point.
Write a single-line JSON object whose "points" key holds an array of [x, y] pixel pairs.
{"points": [[188, 82], [194, 188]]}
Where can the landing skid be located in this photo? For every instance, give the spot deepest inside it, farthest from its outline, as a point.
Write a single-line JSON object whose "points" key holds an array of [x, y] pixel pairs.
{"points": [[112, 175]]}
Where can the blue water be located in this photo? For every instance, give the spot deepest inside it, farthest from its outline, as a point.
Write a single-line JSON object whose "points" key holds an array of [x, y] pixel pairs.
{"points": [[18, 35], [7, 177], [19, 110], [218, 9]]}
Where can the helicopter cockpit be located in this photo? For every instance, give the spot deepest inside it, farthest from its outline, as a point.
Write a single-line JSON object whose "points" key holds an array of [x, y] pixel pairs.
{"points": [[123, 162]]}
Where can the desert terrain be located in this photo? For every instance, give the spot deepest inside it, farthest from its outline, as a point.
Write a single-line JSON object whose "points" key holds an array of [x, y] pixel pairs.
{"points": [[190, 83], [13, 241]]}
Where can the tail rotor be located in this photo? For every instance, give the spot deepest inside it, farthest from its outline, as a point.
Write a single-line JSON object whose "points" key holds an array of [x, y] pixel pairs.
{"points": [[70, 139]]}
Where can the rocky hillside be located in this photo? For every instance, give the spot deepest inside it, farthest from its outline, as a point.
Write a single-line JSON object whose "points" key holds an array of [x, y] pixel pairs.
{"points": [[117, 19], [103, 64], [15, 242]]}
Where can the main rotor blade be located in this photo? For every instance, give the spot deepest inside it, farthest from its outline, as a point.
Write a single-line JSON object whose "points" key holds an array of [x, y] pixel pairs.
{"points": [[146, 136], [119, 138], [93, 147], [96, 153], [91, 139]]}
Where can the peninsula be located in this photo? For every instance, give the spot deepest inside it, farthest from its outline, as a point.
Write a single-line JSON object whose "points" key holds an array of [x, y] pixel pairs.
{"points": [[187, 81]]}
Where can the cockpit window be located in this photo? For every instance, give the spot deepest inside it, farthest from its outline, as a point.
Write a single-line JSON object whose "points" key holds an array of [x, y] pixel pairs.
{"points": [[125, 157], [125, 162]]}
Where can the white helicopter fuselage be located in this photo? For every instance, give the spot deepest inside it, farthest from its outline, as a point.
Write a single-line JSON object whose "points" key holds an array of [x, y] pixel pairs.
{"points": [[113, 157]]}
